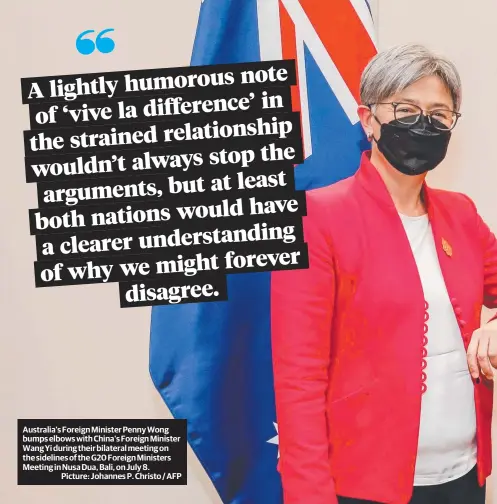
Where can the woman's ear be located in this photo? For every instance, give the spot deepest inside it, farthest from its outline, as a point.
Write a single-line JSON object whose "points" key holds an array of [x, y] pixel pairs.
{"points": [[366, 117]]}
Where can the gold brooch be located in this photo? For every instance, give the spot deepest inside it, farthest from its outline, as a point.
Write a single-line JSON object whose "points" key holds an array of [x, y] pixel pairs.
{"points": [[446, 247]]}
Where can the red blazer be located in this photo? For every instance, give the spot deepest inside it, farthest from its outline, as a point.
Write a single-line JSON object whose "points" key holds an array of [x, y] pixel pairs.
{"points": [[348, 339]]}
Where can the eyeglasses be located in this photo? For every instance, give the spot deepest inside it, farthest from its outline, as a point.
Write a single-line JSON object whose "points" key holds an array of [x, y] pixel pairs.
{"points": [[409, 114]]}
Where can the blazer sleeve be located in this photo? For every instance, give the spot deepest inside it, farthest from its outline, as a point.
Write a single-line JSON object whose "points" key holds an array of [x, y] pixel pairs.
{"points": [[301, 316], [490, 265], [489, 252], [488, 244]]}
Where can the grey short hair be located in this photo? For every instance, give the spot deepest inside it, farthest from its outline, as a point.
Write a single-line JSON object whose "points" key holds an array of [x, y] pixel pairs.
{"points": [[394, 69]]}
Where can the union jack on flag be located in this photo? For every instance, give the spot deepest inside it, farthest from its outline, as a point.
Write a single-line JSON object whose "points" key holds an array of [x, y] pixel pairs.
{"points": [[211, 362]]}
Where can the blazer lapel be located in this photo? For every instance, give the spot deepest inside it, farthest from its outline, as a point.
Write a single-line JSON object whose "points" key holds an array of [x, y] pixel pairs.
{"points": [[451, 259]]}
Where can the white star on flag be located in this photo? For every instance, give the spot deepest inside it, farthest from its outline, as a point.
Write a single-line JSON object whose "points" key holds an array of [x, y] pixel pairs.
{"points": [[275, 439]]}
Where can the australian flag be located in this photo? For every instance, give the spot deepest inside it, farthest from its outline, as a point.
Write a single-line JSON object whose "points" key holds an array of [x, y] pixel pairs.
{"points": [[211, 362]]}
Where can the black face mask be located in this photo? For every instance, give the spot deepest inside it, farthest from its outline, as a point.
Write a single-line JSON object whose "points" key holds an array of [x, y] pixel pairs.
{"points": [[413, 149]]}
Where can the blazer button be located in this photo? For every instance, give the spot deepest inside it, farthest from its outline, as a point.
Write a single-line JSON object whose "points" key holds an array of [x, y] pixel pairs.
{"points": [[458, 311], [462, 322], [453, 301]]}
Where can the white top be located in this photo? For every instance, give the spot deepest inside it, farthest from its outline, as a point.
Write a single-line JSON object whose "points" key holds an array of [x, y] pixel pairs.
{"points": [[447, 437]]}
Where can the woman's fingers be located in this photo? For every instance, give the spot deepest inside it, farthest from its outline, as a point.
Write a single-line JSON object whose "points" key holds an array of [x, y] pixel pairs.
{"points": [[472, 355], [478, 354]]}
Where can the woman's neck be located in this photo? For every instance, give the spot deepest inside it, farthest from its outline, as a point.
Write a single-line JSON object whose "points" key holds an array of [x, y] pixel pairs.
{"points": [[405, 190]]}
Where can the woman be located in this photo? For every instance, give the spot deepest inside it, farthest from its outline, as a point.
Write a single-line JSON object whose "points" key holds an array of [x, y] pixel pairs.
{"points": [[383, 378]]}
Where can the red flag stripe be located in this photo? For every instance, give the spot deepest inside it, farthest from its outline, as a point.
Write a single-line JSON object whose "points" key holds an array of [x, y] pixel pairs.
{"points": [[289, 51], [341, 32]]}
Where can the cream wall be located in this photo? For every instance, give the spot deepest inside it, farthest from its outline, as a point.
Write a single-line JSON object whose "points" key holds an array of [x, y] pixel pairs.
{"points": [[92, 359]]}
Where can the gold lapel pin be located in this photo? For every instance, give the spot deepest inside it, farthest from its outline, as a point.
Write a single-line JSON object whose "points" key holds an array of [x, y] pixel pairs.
{"points": [[446, 247]]}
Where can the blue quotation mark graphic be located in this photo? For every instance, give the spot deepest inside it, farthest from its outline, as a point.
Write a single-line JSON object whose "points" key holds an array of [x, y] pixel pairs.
{"points": [[102, 44]]}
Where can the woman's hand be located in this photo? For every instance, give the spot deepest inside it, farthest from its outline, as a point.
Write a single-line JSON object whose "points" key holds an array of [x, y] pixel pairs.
{"points": [[482, 351]]}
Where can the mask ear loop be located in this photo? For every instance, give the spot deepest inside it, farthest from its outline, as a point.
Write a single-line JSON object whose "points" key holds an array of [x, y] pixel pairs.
{"points": [[370, 136]]}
